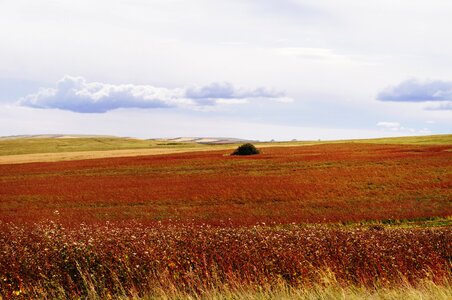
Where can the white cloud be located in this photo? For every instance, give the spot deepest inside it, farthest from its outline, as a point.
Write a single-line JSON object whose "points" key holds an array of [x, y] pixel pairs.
{"points": [[397, 127], [414, 90], [394, 126], [445, 105], [78, 95], [225, 90]]}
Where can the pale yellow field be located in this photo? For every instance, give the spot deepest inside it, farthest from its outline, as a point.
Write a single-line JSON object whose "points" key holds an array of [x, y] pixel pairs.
{"points": [[80, 155]]}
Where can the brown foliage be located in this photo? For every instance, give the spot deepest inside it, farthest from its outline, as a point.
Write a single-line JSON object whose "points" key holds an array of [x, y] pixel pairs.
{"points": [[134, 257], [325, 183]]}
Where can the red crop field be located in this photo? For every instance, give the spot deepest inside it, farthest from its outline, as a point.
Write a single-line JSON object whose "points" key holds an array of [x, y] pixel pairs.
{"points": [[138, 259], [325, 183], [195, 222]]}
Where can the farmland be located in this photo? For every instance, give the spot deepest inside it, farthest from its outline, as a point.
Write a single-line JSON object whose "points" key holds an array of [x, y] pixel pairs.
{"points": [[336, 215]]}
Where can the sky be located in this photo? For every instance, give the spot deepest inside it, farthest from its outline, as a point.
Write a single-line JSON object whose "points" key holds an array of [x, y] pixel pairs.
{"points": [[252, 69]]}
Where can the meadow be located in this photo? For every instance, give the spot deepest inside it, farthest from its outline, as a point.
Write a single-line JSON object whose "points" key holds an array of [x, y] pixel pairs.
{"points": [[330, 220], [50, 149], [15, 146]]}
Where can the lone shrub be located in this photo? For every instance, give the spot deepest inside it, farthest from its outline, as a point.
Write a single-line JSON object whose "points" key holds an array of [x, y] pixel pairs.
{"points": [[246, 149]]}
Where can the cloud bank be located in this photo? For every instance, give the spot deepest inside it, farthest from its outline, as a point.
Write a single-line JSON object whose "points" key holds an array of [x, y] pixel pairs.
{"points": [[77, 95], [447, 105], [437, 91], [413, 90]]}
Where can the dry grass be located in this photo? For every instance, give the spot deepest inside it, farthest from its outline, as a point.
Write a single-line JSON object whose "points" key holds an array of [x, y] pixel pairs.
{"points": [[127, 260], [426, 290], [82, 155]]}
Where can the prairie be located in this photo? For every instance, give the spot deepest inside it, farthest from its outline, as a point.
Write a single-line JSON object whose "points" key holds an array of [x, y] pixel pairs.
{"points": [[46, 149], [299, 221], [311, 184], [15, 146]]}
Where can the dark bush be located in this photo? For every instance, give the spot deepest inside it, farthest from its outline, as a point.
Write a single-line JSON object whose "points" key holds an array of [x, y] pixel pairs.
{"points": [[246, 149]]}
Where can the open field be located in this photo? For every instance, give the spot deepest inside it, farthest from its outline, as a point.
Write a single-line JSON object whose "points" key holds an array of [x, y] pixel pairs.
{"points": [[337, 220], [83, 155], [62, 145], [51, 149], [322, 183], [442, 139], [26, 150]]}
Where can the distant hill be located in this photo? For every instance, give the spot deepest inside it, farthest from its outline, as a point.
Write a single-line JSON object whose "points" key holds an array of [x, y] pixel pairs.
{"points": [[54, 136], [198, 140], [208, 140]]}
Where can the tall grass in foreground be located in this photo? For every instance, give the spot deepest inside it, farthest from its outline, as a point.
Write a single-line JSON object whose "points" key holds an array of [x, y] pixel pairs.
{"points": [[426, 291], [330, 289], [182, 261]]}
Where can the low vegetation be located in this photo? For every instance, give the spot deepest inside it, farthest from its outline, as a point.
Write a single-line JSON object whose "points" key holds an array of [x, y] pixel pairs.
{"points": [[315, 184], [137, 260], [328, 221]]}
